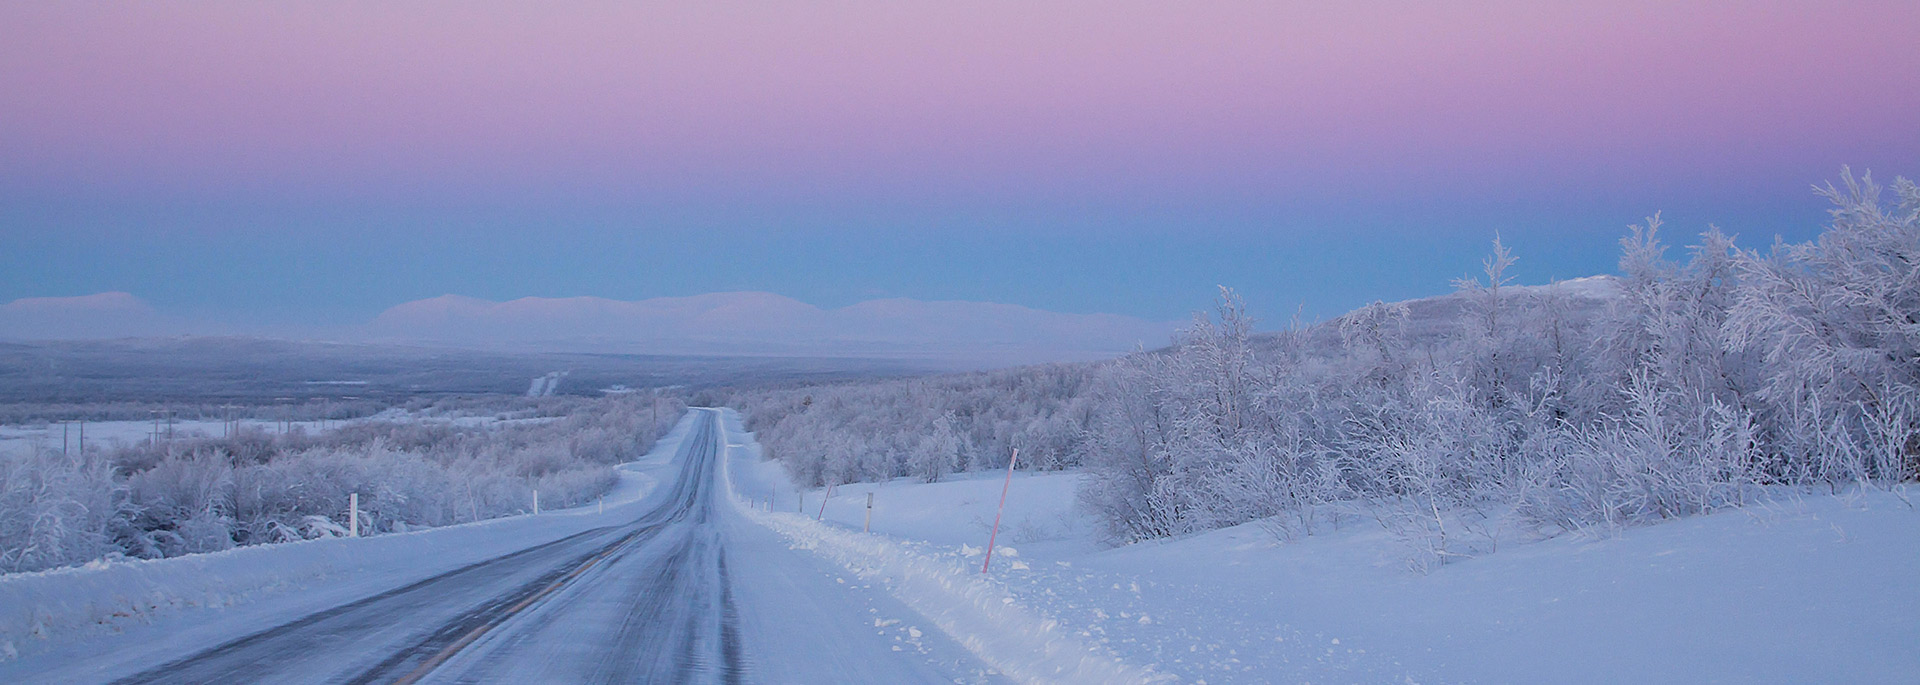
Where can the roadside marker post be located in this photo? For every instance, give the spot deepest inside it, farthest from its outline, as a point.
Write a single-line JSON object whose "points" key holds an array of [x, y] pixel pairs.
{"points": [[536, 503], [822, 516], [868, 526], [353, 514], [1002, 509]]}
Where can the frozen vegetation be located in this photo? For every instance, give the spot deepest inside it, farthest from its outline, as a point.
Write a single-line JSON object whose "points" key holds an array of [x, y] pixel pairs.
{"points": [[432, 465], [1680, 387]]}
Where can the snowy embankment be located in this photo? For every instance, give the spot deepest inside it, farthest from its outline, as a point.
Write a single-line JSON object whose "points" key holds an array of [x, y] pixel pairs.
{"points": [[945, 587], [1809, 588], [133, 605], [1815, 590]]}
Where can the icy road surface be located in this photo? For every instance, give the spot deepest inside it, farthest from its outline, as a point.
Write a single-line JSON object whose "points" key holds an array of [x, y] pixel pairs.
{"points": [[691, 592]]}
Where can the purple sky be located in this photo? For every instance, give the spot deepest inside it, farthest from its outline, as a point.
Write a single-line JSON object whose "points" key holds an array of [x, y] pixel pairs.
{"points": [[307, 159]]}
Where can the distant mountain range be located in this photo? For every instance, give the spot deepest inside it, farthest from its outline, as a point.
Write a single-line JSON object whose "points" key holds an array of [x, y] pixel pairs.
{"points": [[750, 323], [732, 324], [938, 334], [101, 315], [112, 346]]}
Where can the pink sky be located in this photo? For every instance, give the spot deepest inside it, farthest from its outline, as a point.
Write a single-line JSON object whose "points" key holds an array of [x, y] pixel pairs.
{"points": [[301, 161], [927, 102]]}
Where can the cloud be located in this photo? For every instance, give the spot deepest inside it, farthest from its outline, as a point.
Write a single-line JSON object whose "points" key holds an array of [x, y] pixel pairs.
{"points": [[101, 315], [753, 323]]}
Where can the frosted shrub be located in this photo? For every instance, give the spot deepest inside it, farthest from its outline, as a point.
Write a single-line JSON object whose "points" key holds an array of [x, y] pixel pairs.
{"points": [[56, 509], [1835, 322], [202, 494]]}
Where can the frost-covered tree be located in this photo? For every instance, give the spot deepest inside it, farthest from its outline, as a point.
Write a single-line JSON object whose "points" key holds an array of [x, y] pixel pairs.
{"points": [[1837, 325]]}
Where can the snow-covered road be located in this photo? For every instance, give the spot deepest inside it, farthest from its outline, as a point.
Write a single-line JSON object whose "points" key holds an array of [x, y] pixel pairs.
{"points": [[691, 591]]}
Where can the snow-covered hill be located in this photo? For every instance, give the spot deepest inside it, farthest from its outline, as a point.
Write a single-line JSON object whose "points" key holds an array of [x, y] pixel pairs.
{"points": [[1431, 320], [100, 315]]}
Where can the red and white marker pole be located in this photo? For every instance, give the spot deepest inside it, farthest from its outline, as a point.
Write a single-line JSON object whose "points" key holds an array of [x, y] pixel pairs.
{"points": [[822, 516], [996, 513]]}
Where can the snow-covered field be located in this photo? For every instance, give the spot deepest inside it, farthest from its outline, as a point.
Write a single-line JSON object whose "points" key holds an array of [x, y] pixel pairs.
{"points": [[1811, 589], [20, 439]]}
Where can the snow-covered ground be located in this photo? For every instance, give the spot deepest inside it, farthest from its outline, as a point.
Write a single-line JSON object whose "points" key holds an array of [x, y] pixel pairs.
{"points": [[1026, 645], [1808, 589]]}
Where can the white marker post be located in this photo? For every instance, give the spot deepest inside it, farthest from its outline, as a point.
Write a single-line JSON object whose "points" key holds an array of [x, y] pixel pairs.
{"points": [[353, 514], [536, 503], [996, 513], [868, 526]]}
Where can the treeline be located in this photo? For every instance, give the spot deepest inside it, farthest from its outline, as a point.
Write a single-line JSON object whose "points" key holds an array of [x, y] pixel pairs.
{"points": [[304, 410], [926, 427], [32, 413], [1682, 386], [197, 494]]}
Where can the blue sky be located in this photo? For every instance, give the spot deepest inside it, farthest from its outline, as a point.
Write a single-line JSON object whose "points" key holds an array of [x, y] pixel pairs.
{"points": [[292, 167], [283, 268]]}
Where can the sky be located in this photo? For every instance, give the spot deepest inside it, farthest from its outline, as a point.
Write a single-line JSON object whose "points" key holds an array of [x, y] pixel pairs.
{"points": [[280, 167]]}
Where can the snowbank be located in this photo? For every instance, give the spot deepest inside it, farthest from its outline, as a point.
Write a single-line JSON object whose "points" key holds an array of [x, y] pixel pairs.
{"points": [[1812, 590], [45, 612], [1818, 590], [1040, 513], [945, 587]]}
